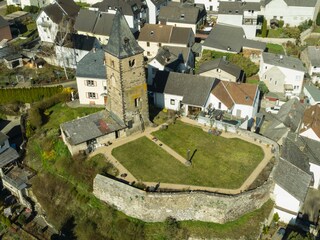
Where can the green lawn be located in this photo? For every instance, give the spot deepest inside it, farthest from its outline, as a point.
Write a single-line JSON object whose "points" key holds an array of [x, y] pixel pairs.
{"points": [[217, 162], [275, 48]]}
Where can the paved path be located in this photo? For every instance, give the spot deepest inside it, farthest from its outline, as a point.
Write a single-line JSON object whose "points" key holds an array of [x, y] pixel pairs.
{"points": [[106, 150]]}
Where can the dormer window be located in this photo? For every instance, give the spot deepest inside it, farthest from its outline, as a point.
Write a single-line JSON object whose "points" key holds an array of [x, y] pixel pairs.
{"points": [[182, 16]]}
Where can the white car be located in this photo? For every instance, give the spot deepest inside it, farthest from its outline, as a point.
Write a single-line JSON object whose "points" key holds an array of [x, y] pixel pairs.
{"points": [[273, 110]]}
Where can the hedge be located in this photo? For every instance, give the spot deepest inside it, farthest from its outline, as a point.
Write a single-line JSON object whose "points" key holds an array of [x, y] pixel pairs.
{"points": [[27, 95]]}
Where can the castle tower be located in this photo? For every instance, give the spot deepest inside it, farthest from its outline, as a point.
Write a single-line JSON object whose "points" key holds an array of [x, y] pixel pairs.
{"points": [[126, 83]]}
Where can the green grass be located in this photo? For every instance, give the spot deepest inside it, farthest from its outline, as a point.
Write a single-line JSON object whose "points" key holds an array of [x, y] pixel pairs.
{"points": [[275, 48], [253, 79], [275, 33], [215, 163]]}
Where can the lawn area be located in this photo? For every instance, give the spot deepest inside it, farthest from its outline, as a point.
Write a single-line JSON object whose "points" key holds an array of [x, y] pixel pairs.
{"points": [[214, 164], [253, 79], [275, 48]]}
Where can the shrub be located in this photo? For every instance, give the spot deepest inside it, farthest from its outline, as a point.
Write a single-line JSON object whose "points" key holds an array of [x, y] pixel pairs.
{"points": [[263, 88], [31, 9], [281, 23], [245, 63], [264, 30], [12, 9], [318, 19]]}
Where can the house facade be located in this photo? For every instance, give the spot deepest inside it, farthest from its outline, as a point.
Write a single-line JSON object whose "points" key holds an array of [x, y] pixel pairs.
{"points": [[154, 10], [5, 32], [282, 74], [211, 6]]}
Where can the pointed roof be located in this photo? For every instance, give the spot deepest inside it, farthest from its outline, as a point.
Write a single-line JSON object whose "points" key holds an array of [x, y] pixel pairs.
{"points": [[122, 43]]}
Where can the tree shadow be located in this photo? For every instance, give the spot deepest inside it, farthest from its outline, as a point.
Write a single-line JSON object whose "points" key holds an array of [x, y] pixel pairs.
{"points": [[67, 231], [194, 152]]}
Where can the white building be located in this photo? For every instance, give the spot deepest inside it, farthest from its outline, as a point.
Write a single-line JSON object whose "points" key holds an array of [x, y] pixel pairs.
{"points": [[91, 79], [292, 12], [211, 5], [154, 9], [49, 21], [311, 122], [24, 3], [240, 100], [311, 57], [312, 93], [282, 74], [154, 36]]}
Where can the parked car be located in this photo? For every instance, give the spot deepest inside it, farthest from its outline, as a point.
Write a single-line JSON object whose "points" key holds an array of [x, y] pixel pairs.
{"points": [[273, 110]]}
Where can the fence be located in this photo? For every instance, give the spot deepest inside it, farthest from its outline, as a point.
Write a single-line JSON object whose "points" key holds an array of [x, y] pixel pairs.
{"points": [[221, 125]]}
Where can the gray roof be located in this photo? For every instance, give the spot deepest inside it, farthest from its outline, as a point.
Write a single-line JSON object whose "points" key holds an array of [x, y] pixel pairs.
{"points": [[8, 156], [230, 38], [237, 7], [194, 89], [314, 92], [159, 2], [128, 7], [301, 3], [292, 179], [122, 43], [314, 55], [92, 65], [283, 61], [90, 127], [95, 22], [3, 23], [223, 65], [3, 137], [183, 13], [57, 10], [172, 56]]}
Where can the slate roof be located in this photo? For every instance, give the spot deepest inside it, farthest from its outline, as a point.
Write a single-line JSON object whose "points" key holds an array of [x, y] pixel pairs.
{"points": [[313, 53], [3, 23], [313, 91], [158, 2], [8, 156], [183, 13], [283, 61], [94, 22], [230, 38], [90, 127], [194, 89], [61, 7], [171, 57], [122, 43], [92, 65], [6, 51], [164, 34], [3, 137], [311, 119], [292, 179], [301, 3], [127, 6], [220, 63], [230, 93], [237, 7], [54, 12]]}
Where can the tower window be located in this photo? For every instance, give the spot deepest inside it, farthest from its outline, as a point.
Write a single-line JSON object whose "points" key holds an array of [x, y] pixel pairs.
{"points": [[132, 62], [112, 63], [136, 102]]}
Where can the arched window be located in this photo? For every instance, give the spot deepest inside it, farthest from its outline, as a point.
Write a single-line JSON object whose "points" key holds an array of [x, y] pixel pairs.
{"points": [[132, 62]]}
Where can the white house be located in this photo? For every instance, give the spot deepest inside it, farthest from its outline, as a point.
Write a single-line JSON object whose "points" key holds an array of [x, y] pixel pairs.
{"points": [[282, 74], [211, 5], [181, 92], [176, 59], [312, 93], [24, 3], [290, 190], [154, 9], [243, 14], [222, 69], [91, 79], [56, 17], [311, 57], [94, 23], [310, 126], [292, 12], [241, 100], [154, 36], [183, 15]]}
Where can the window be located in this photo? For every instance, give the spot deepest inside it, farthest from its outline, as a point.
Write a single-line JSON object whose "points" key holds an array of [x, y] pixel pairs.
{"points": [[112, 63], [270, 79], [159, 44], [275, 82], [92, 95], [136, 102], [275, 17], [265, 67], [172, 101], [104, 88], [90, 83], [148, 44], [265, 76], [148, 53], [281, 17], [132, 62], [219, 105], [296, 87]]}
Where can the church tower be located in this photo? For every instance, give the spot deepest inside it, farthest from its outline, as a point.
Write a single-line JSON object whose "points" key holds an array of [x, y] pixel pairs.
{"points": [[126, 83]]}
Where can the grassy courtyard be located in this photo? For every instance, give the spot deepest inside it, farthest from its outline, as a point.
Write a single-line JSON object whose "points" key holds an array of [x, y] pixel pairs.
{"points": [[217, 161]]}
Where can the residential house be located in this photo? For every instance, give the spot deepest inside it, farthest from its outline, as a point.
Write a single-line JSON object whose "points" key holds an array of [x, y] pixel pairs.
{"points": [[183, 15], [154, 9], [282, 74], [292, 12], [56, 17], [312, 93], [95, 24], [92, 79], [89, 132], [24, 3], [5, 32], [13, 61], [310, 126], [154, 36], [222, 69], [311, 57], [181, 92], [134, 11], [232, 39], [243, 14], [7, 153], [171, 59], [288, 119], [211, 5], [240, 100], [74, 48]]}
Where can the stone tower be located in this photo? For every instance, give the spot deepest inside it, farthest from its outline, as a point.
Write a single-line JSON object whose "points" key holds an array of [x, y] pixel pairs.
{"points": [[126, 83]]}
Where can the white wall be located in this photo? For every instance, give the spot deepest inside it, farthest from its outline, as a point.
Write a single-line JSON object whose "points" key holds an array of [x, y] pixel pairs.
{"points": [[285, 200], [69, 57], [212, 5], [103, 39], [285, 217], [152, 50], [6, 146], [310, 134], [311, 100], [214, 101], [153, 66], [46, 34], [315, 169], [159, 100], [235, 20], [220, 74], [83, 89], [245, 110], [169, 105]]}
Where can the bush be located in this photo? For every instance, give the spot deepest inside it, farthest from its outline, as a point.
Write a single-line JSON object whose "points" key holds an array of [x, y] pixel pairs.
{"points": [[263, 88], [281, 23], [264, 29], [318, 19], [245, 63], [305, 25], [12, 9], [31, 9]]}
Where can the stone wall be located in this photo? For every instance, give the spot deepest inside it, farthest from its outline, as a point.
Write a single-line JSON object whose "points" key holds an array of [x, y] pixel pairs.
{"points": [[193, 205]]}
